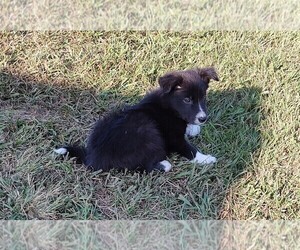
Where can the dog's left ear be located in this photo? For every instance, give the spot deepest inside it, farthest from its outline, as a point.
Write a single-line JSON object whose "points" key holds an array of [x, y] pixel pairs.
{"points": [[208, 73], [169, 81]]}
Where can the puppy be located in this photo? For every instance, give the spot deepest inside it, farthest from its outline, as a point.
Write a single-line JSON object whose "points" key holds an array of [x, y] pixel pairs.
{"points": [[143, 135]]}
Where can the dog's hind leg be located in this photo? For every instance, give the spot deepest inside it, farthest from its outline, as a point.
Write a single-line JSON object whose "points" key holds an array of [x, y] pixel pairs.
{"points": [[164, 165]]}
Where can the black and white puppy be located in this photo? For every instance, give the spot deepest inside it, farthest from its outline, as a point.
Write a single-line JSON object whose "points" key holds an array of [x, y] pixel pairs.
{"points": [[143, 135]]}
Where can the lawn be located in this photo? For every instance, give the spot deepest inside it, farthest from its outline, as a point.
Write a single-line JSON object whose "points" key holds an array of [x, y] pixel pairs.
{"points": [[55, 85]]}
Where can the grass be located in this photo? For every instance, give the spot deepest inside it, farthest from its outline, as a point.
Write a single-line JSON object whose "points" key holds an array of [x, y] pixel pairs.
{"points": [[55, 85]]}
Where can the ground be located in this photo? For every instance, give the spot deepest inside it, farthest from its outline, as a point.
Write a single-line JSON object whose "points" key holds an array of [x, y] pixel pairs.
{"points": [[55, 85]]}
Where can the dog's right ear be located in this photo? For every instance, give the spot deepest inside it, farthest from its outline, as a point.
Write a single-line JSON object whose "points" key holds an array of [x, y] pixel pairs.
{"points": [[169, 81]]}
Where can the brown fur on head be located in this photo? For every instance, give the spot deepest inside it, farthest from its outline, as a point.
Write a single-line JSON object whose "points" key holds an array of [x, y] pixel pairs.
{"points": [[177, 78], [208, 73]]}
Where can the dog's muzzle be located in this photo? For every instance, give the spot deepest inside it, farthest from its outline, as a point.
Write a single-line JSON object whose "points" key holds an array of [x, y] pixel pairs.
{"points": [[202, 119]]}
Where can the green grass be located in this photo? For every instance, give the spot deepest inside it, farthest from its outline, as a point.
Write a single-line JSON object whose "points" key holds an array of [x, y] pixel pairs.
{"points": [[55, 85]]}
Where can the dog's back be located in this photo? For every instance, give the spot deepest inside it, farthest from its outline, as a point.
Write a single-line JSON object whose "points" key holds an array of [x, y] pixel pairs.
{"points": [[128, 139]]}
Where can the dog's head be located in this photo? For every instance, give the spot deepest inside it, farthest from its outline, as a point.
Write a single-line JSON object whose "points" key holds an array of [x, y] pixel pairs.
{"points": [[185, 92]]}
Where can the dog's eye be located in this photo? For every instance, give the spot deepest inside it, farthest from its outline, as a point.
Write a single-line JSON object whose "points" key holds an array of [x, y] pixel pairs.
{"points": [[187, 100]]}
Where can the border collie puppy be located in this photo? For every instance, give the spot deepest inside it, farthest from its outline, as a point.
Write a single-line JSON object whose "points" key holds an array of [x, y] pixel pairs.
{"points": [[143, 135]]}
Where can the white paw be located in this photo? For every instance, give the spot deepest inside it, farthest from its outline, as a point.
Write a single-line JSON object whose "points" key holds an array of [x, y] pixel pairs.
{"points": [[204, 159], [166, 165], [192, 130], [61, 151]]}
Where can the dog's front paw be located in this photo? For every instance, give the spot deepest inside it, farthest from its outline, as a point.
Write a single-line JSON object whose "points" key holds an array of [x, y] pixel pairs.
{"points": [[210, 160], [204, 159], [192, 130]]}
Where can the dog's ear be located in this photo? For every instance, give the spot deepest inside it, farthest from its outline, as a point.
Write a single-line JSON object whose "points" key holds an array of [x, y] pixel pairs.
{"points": [[169, 81], [208, 73]]}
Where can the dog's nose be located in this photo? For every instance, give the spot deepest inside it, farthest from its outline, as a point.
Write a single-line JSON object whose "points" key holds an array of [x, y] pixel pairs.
{"points": [[202, 119]]}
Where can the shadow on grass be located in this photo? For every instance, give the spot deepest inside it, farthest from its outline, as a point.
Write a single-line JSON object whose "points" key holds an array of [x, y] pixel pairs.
{"points": [[37, 116]]}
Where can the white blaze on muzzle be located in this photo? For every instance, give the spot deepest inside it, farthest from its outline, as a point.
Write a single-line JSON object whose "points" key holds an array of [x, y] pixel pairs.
{"points": [[201, 116]]}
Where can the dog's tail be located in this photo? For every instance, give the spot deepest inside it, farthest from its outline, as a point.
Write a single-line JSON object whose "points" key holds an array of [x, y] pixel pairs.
{"points": [[73, 151]]}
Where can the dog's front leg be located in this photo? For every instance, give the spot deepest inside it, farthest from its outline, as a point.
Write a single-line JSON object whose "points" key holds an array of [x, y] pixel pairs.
{"points": [[188, 151]]}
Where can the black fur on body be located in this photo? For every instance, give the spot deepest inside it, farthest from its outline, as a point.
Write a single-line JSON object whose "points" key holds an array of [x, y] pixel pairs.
{"points": [[143, 135]]}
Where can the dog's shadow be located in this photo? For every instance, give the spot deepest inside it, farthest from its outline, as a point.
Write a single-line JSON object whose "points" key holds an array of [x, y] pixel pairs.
{"points": [[232, 135], [55, 115]]}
